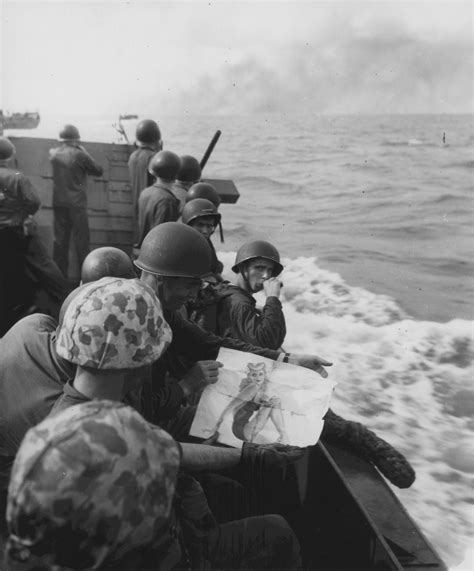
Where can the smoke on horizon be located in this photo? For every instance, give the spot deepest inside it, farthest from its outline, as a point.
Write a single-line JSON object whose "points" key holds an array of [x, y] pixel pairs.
{"points": [[385, 73]]}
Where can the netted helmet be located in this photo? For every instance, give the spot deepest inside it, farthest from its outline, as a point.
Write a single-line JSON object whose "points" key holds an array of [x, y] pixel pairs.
{"points": [[107, 261], [258, 249], [148, 132], [204, 190], [197, 208], [175, 250], [165, 165], [89, 485], [69, 133], [190, 171], [7, 149], [113, 323]]}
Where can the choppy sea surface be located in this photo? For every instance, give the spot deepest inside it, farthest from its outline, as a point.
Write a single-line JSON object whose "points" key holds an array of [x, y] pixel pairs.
{"points": [[374, 218]]}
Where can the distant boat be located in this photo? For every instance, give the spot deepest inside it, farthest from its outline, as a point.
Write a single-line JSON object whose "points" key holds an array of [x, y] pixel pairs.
{"points": [[28, 120], [128, 116]]}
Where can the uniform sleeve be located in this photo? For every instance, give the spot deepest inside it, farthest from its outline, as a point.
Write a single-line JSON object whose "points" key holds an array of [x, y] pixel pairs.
{"points": [[266, 329], [28, 195], [89, 165], [198, 345]]}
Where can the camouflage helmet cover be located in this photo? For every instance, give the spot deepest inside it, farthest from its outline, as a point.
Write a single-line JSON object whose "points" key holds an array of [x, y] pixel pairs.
{"points": [[113, 323], [89, 485]]}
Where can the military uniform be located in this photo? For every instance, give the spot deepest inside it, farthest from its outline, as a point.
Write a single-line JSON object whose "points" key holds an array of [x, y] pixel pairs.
{"points": [[140, 178], [18, 200], [156, 204], [180, 190], [71, 164], [238, 317]]}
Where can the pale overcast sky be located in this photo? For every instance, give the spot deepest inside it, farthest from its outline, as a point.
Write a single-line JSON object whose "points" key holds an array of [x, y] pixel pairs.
{"points": [[237, 57]]}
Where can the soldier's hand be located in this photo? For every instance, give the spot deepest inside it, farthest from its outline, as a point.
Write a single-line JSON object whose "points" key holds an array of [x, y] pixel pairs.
{"points": [[203, 373], [280, 454], [310, 362], [272, 287]]}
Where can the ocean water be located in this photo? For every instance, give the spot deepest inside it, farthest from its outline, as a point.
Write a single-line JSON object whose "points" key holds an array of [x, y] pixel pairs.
{"points": [[373, 216]]}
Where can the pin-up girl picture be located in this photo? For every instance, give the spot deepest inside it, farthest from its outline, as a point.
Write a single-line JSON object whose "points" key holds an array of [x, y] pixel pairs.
{"points": [[253, 407]]}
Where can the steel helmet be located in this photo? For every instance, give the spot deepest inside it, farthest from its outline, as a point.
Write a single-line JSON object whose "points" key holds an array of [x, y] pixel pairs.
{"points": [[258, 249], [165, 165], [94, 465], [176, 250], [197, 208], [113, 323], [7, 149], [148, 132], [190, 171], [204, 190], [69, 133], [107, 261]]}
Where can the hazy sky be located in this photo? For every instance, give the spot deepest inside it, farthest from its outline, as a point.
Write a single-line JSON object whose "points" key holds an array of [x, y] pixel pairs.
{"points": [[237, 57]]}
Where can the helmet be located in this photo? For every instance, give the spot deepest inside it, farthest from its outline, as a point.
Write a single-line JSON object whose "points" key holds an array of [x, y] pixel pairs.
{"points": [[107, 261], [164, 164], [7, 149], [190, 170], [258, 249], [113, 323], [174, 249], [148, 132], [82, 470], [69, 133], [204, 190], [197, 208]]}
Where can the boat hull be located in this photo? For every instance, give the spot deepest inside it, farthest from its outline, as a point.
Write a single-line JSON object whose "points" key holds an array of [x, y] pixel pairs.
{"points": [[109, 197], [351, 520]]}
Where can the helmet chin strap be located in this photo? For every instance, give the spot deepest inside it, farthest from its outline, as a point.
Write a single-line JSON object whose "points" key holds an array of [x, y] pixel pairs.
{"points": [[244, 274]]}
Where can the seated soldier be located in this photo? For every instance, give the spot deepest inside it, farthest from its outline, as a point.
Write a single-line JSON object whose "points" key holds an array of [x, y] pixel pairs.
{"points": [[120, 518], [32, 375]]}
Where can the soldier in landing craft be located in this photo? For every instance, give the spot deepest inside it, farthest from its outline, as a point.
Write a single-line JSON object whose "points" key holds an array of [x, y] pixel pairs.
{"points": [[188, 174], [71, 164], [18, 200], [148, 143], [120, 518], [157, 203]]}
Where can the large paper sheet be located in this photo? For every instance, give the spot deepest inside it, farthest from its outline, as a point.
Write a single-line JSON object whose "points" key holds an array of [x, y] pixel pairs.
{"points": [[259, 400]]}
